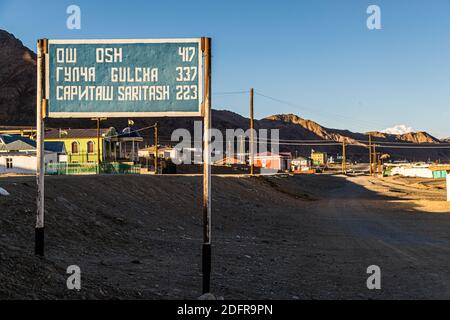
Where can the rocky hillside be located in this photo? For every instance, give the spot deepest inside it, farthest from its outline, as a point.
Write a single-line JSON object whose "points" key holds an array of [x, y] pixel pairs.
{"points": [[350, 137], [17, 81], [323, 133]]}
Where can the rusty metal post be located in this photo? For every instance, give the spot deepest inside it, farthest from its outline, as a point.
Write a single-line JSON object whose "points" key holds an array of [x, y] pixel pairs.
{"points": [[206, 251], [41, 106]]}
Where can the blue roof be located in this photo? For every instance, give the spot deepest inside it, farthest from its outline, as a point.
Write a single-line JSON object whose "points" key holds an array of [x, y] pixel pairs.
{"points": [[53, 146], [128, 133], [7, 139]]}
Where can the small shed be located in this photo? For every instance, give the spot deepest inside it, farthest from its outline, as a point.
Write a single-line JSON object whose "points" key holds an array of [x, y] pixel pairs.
{"points": [[440, 171]]}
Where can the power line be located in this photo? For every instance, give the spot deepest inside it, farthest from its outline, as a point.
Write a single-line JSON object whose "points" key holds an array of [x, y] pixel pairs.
{"points": [[229, 93], [327, 115]]}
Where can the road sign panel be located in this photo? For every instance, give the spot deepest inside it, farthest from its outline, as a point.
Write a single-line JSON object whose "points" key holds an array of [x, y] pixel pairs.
{"points": [[124, 78]]}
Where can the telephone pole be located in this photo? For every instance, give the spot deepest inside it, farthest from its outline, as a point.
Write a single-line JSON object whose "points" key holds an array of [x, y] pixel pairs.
{"points": [[98, 142], [252, 166], [242, 150], [156, 148], [380, 166], [370, 153], [344, 160], [375, 160]]}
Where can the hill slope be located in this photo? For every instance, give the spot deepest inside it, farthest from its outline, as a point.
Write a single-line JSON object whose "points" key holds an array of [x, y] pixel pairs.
{"points": [[17, 81]]}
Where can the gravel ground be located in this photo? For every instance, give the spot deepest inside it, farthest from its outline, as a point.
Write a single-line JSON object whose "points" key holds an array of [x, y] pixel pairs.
{"points": [[297, 237]]}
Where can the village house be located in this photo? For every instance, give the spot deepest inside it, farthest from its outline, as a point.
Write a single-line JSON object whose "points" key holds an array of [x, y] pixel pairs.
{"points": [[124, 147], [81, 144], [440, 171], [229, 161], [421, 170], [301, 164], [18, 154], [319, 158], [273, 161], [164, 152]]}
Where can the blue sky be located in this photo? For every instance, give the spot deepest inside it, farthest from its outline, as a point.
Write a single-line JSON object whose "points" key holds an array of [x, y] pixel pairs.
{"points": [[318, 55]]}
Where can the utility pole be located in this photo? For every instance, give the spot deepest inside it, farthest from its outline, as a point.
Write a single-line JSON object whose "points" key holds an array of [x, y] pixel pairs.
{"points": [[252, 166], [242, 150], [380, 166], [370, 153], [156, 148], [98, 142], [344, 160], [375, 159]]}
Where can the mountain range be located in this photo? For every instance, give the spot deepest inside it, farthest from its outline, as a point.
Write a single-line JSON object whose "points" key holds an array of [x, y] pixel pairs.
{"points": [[18, 105]]}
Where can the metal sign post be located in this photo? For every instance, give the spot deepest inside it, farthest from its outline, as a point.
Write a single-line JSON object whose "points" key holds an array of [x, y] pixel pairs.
{"points": [[41, 106], [206, 257]]}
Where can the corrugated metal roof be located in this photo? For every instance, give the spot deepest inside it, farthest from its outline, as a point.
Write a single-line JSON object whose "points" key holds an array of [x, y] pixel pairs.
{"points": [[19, 143], [55, 146], [75, 133]]}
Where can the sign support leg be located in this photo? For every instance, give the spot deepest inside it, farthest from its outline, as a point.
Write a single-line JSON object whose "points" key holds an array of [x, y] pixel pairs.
{"points": [[252, 151], [41, 103], [206, 252]]}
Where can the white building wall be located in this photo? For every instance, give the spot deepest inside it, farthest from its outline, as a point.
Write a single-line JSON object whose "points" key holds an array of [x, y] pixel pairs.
{"points": [[421, 172], [24, 163]]}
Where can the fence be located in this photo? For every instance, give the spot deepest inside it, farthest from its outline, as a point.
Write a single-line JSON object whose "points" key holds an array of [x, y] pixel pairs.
{"points": [[91, 168]]}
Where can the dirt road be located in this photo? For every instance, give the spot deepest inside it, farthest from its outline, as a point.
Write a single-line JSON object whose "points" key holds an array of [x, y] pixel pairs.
{"points": [[302, 237]]}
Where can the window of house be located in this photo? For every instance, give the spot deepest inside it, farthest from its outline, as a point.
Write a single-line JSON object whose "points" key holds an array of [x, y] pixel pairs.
{"points": [[9, 163], [75, 148], [90, 147]]}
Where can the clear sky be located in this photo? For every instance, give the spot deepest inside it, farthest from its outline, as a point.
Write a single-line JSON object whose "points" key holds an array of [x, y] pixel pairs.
{"points": [[317, 55]]}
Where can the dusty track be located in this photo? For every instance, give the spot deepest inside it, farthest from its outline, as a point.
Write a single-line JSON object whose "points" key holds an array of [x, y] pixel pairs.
{"points": [[303, 237]]}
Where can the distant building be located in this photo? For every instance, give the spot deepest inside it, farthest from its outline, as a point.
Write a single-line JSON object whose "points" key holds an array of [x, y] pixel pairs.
{"points": [[81, 144], [164, 152], [273, 161], [319, 158], [440, 171], [229, 161], [300, 164], [422, 170], [18, 154], [124, 146]]}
